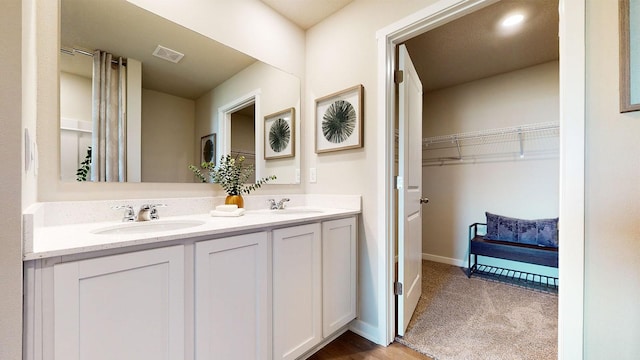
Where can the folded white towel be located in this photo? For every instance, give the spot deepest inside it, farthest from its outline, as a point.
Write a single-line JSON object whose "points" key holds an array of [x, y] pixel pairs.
{"points": [[237, 212], [231, 207]]}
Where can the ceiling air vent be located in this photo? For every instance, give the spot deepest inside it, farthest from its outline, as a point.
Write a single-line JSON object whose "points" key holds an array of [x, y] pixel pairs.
{"points": [[168, 54]]}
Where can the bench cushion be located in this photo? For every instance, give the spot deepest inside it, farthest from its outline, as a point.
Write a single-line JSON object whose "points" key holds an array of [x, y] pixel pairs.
{"points": [[532, 254]]}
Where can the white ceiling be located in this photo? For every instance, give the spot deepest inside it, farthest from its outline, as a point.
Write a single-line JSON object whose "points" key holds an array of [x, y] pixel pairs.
{"points": [[476, 46], [121, 28], [306, 13], [466, 49], [469, 48]]}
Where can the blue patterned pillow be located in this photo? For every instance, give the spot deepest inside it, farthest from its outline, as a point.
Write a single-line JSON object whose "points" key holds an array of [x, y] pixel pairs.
{"points": [[507, 229], [528, 232], [492, 226], [548, 232]]}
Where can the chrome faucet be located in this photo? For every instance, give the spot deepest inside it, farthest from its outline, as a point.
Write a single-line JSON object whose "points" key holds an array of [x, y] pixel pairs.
{"points": [[129, 215], [146, 212], [149, 212], [273, 205]]}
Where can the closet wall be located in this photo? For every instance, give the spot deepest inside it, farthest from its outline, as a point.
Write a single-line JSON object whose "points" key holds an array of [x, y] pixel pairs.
{"points": [[461, 191]]}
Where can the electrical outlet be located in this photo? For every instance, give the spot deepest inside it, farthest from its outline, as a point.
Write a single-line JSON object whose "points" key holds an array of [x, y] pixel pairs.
{"points": [[312, 175], [297, 176]]}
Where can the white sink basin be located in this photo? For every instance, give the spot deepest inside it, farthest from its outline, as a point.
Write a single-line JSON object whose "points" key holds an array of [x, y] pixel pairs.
{"points": [[147, 227]]}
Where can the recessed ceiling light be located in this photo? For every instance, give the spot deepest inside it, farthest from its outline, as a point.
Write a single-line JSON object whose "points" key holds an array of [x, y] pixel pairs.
{"points": [[512, 20]]}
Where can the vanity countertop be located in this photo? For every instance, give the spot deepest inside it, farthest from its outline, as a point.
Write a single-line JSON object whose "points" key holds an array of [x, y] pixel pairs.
{"points": [[68, 239]]}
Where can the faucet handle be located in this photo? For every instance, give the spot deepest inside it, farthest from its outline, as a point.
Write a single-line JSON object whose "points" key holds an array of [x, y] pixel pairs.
{"points": [[154, 211], [129, 214], [272, 204], [281, 203], [149, 212]]}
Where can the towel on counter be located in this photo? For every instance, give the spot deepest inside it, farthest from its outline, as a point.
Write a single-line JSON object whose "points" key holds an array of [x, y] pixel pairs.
{"points": [[227, 207], [227, 210]]}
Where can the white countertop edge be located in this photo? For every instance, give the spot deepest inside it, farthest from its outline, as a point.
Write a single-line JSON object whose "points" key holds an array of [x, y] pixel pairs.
{"points": [[71, 239]]}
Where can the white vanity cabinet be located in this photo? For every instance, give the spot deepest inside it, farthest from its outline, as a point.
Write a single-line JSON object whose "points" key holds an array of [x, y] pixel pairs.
{"points": [[231, 298], [314, 284], [338, 274], [276, 293], [297, 294], [126, 306]]}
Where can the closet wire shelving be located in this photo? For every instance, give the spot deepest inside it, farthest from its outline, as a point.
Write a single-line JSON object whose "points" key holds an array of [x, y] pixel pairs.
{"points": [[539, 140]]}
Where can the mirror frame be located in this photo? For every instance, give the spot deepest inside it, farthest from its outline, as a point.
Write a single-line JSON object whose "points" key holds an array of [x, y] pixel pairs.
{"points": [[625, 55]]}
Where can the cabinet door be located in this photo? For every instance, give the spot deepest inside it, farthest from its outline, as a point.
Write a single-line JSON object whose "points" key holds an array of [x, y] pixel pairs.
{"points": [[297, 285], [232, 311], [128, 306], [338, 274]]}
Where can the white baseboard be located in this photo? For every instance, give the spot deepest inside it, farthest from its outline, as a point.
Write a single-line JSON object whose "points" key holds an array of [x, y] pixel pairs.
{"points": [[366, 331], [444, 260]]}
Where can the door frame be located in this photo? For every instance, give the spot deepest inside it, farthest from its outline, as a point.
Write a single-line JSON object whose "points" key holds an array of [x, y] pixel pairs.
{"points": [[572, 156], [224, 128]]}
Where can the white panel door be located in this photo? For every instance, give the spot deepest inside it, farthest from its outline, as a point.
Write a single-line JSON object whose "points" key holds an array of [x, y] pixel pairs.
{"points": [[231, 282], [126, 307], [409, 191], [297, 318], [338, 274]]}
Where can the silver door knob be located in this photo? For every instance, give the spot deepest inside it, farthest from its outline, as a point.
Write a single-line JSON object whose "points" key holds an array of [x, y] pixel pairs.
{"points": [[424, 201]]}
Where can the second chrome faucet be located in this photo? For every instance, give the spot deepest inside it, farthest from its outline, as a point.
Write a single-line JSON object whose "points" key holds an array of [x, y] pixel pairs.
{"points": [[145, 213], [273, 205]]}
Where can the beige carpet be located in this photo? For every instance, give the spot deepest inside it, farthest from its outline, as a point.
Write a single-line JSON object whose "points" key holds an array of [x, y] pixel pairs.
{"points": [[476, 319]]}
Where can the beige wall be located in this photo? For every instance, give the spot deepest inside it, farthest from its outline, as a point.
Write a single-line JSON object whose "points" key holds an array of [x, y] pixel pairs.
{"points": [[11, 182], [460, 193], [167, 137], [612, 249], [277, 91], [75, 107], [75, 97], [526, 96], [243, 133], [341, 52]]}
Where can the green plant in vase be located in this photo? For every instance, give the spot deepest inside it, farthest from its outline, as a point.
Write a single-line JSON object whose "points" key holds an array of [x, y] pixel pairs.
{"points": [[232, 174]]}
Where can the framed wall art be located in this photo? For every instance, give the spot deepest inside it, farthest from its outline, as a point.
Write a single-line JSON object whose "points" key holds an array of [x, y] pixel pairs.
{"points": [[208, 148], [279, 134], [629, 14], [339, 121]]}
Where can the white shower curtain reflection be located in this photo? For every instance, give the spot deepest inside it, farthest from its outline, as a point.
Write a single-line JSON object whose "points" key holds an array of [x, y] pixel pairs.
{"points": [[109, 155]]}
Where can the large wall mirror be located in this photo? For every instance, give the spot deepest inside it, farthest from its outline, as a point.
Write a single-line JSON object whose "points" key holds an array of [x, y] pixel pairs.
{"points": [[185, 98]]}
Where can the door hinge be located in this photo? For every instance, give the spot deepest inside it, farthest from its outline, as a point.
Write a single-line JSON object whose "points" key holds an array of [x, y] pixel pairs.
{"points": [[398, 76], [399, 182], [397, 288]]}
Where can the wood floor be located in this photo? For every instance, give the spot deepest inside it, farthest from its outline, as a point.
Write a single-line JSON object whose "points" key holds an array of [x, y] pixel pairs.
{"points": [[351, 346]]}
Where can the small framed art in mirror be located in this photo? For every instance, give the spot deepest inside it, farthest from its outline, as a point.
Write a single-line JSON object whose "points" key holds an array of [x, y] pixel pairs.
{"points": [[208, 148], [629, 55]]}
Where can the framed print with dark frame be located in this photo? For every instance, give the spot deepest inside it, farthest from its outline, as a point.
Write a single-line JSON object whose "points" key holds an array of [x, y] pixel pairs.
{"points": [[339, 122], [208, 148], [629, 14], [279, 134]]}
